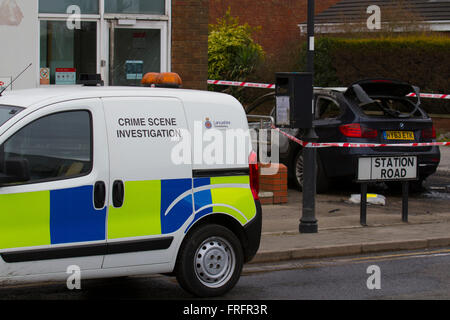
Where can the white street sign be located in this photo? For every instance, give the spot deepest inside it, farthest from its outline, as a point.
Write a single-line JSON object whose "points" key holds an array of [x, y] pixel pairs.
{"points": [[387, 168]]}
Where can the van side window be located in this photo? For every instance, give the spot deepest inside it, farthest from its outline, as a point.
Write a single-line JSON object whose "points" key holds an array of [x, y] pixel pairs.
{"points": [[327, 109], [57, 146]]}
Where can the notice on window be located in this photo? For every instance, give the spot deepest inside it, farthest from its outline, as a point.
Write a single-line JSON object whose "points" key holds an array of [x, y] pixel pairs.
{"points": [[44, 76], [134, 69], [65, 76]]}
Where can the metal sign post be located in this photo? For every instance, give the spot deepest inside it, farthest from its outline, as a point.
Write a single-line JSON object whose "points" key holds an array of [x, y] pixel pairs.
{"points": [[363, 207], [386, 168], [405, 193]]}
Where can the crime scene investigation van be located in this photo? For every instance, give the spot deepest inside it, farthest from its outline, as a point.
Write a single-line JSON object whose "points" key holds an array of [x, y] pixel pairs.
{"points": [[87, 179]]}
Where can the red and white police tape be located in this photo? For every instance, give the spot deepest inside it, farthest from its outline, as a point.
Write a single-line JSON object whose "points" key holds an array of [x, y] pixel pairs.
{"points": [[242, 84], [306, 144], [272, 86], [431, 95]]}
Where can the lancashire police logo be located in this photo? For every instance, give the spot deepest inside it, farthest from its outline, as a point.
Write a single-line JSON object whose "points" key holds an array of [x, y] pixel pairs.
{"points": [[208, 123]]}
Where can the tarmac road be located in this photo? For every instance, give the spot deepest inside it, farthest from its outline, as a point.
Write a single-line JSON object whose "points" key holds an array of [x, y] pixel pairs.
{"points": [[403, 275]]}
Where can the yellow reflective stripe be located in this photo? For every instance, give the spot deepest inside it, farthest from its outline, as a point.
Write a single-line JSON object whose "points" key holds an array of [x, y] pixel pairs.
{"points": [[24, 219], [140, 213], [232, 179], [241, 199]]}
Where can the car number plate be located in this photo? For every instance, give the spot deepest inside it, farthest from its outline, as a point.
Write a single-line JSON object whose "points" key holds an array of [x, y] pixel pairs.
{"points": [[399, 135]]}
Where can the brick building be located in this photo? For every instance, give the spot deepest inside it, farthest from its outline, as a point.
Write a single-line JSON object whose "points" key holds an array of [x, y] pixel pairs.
{"points": [[403, 16], [190, 42], [278, 20], [119, 39]]}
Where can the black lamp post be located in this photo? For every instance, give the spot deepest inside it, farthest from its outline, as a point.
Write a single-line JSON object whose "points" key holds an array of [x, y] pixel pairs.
{"points": [[308, 222]]}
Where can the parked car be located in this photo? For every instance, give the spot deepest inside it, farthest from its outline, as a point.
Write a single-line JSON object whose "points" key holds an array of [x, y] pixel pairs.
{"points": [[369, 111]]}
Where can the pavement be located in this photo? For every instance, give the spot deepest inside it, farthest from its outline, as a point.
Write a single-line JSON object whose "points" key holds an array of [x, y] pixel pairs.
{"points": [[340, 232], [444, 165]]}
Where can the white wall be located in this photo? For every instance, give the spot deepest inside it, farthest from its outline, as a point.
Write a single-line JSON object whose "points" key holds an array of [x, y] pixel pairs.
{"points": [[19, 32]]}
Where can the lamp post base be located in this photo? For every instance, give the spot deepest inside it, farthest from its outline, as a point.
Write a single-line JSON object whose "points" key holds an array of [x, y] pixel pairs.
{"points": [[308, 227]]}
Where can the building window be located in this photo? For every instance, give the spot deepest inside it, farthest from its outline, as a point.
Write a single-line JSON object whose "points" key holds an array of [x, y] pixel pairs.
{"points": [[135, 6], [61, 6], [68, 53], [119, 39]]}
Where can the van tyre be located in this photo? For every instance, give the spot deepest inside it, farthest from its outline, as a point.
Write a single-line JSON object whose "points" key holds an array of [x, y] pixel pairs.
{"points": [[210, 261]]}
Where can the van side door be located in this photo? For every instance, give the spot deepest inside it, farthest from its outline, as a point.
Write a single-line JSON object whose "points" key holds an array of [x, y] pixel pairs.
{"points": [[151, 193], [56, 218]]}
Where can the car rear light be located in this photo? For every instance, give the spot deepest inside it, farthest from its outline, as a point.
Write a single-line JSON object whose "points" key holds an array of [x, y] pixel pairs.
{"points": [[355, 130], [254, 174], [429, 133]]}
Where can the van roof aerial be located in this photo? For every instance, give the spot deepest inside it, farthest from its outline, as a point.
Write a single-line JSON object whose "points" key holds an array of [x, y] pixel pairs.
{"points": [[2, 90]]}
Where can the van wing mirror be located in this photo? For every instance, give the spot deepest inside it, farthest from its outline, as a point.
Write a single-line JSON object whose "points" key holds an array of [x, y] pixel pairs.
{"points": [[16, 170]]}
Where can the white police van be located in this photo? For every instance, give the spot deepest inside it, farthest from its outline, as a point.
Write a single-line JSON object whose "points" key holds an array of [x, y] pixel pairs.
{"points": [[109, 179]]}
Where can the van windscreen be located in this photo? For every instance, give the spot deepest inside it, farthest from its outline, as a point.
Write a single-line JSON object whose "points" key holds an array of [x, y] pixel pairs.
{"points": [[7, 112]]}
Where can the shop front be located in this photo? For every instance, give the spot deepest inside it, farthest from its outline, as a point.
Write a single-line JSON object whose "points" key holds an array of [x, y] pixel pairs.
{"points": [[120, 39]]}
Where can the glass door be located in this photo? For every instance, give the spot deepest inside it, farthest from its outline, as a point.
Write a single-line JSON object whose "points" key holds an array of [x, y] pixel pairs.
{"points": [[136, 47]]}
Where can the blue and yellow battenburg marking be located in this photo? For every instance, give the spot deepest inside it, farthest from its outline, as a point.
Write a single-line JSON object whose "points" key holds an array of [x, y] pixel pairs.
{"points": [[150, 208], [179, 199], [50, 217], [229, 195]]}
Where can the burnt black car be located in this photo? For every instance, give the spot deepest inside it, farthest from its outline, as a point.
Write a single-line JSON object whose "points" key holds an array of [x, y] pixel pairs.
{"points": [[368, 111]]}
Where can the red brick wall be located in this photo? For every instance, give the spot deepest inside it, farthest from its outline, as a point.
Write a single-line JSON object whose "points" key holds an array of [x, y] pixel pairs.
{"points": [[190, 42], [278, 19], [277, 184]]}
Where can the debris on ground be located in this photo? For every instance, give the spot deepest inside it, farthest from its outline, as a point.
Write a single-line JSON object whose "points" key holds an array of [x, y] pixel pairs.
{"points": [[334, 210], [372, 198]]}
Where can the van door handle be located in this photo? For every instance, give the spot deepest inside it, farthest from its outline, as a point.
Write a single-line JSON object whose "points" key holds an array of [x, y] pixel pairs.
{"points": [[99, 194], [118, 193]]}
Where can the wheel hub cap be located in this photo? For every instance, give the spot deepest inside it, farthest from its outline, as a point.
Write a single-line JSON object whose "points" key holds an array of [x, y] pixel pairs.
{"points": [[214, 262]]}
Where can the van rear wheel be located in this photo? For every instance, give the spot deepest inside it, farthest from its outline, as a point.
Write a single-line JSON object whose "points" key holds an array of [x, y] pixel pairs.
{"points": [[210, 261]]}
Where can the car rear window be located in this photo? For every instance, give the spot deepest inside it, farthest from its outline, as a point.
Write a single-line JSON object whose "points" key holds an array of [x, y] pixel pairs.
{"points": [[386, 98], [391, 108], [7, 112]]}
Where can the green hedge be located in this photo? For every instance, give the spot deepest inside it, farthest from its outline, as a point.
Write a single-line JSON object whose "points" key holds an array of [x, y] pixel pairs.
{"points": [[420, 60]]}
